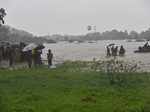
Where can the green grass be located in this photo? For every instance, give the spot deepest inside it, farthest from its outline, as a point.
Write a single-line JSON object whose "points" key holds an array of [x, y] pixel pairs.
{"points": [[65, 90]]}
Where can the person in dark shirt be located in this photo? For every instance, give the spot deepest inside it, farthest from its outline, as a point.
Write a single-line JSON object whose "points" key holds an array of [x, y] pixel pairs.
{"points": [[108, 52], [116, 51], [39, 59], [11, 56], [49, 58], [29, 58], [146, 45], [1, 54], [112, 51], [121, 51]]}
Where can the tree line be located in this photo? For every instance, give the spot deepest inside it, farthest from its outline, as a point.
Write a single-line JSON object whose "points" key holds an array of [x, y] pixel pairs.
{"points": [[15, 36], [107, 35]]}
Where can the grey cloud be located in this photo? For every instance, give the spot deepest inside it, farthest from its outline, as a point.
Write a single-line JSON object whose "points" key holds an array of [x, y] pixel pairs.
{"points": [[72, 16]]}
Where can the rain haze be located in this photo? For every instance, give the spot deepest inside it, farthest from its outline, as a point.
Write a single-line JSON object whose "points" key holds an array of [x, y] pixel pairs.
{"points": [[74, 55], [43, 17]]}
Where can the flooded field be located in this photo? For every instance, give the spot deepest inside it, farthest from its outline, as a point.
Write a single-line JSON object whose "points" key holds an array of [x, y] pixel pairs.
{"points": [[89, 50]]}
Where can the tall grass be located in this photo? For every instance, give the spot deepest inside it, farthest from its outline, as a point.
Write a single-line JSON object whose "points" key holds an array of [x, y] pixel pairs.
{"points": [[115, 69], [74, 87]]}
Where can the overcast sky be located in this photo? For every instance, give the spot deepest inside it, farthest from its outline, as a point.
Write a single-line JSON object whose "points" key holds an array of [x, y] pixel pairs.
{"points": [[43, 17]]}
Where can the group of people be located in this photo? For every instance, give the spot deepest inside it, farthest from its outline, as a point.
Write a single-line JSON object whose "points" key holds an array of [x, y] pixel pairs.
{"points": [[115, 51], [34, 56], [12, 54], [7, 53], [146, 45]]}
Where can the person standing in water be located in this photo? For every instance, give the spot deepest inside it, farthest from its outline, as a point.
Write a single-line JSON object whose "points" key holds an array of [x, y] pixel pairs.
{"points": [[49, 58], [29, 58], [112, 51], [108, 52], [116, 51], [11, 56], [122, 51]]}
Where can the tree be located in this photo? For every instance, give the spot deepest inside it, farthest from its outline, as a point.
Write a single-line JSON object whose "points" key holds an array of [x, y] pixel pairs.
{"points": [[133, 35], [2, 15]]}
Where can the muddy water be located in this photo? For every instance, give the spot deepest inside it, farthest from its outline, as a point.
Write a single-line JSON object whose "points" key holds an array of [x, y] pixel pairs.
{"points": [[87, 51]]}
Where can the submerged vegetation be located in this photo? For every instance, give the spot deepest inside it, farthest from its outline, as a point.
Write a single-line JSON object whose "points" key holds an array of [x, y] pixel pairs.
{"points": [[73, 87]]}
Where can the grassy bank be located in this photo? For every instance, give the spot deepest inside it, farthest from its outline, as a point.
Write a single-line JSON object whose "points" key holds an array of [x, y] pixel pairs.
{"points": [[70, 89]]}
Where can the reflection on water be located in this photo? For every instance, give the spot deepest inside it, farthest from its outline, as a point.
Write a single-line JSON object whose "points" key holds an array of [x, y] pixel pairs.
{"points": [[87, 51]]}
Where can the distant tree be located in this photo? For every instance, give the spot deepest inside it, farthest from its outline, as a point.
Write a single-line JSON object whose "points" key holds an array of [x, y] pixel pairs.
{"points": [[2, 15], [123, 34], [133, 35], [145, 34]]}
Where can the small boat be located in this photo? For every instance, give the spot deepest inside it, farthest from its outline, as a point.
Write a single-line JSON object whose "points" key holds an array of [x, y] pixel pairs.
{"points": [[143, 50]]}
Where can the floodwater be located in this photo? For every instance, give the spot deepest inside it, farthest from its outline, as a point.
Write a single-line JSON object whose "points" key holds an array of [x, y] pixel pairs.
{"points": [[89, 50]]}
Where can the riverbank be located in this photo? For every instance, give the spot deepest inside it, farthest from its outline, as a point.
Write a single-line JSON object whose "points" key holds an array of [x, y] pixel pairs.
{"points": [[67, 88], [116, 65]]}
